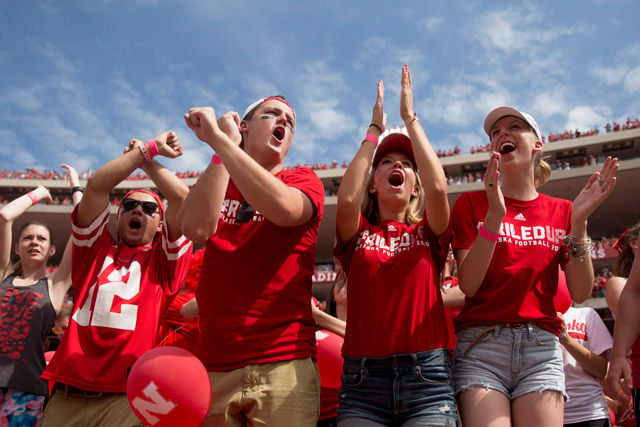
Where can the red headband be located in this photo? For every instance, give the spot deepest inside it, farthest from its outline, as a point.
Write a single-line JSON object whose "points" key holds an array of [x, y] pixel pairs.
{"points": [[260, 101], [619, 244]]}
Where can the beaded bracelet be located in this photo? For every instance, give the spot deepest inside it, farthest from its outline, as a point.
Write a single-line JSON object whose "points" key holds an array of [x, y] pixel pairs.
{"points": [[578, 249]]}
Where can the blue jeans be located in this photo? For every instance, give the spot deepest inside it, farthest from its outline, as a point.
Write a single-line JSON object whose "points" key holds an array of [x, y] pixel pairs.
{"points": [[512, 360], [395, 389]]}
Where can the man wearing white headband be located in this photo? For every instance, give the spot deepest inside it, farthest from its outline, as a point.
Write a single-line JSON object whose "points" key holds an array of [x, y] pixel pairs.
{"points": [[260, 223], [119, 286]]}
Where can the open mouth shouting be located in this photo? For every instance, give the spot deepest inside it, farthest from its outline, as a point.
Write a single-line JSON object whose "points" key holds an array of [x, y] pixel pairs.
{"points": [[135, 224], [506, 147], [396, 178], [278, 133]]}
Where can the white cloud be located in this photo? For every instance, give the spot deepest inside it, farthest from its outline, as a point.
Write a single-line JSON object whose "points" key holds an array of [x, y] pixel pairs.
{"points": [[549, 103], [26, 98], [433, 23], [624, 71], [632, 80], [584, 118], [520, 28], [321, 92]]}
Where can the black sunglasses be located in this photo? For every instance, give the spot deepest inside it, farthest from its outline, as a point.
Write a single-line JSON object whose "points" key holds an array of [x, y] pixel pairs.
{"points": [[149, 208], [245, 212]]}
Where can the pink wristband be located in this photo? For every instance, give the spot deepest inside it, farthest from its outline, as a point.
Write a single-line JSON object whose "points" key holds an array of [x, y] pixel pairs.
{"points": [[33, 197], [216, 160], [146, 153], [153, 147], [488, 235], [371, 137]]}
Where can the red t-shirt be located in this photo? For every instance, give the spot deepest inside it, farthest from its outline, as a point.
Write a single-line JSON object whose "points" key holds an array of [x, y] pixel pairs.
{"points": [[255, 284], [395, 304], [117, 296], [451, 313], [522, 278], [175, 330]]}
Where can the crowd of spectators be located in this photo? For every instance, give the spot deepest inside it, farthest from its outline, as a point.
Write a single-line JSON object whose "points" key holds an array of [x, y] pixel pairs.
{"points": [[32, 173]]}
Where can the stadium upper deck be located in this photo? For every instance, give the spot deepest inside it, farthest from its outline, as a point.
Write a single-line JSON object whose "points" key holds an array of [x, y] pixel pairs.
{"points": [[571, 157]]}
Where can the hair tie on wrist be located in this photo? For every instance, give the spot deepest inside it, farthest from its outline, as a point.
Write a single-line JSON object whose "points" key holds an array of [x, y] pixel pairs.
{"points": [[216, 160], [153, 147], [33, 197], [77, 188], [372, 138], [488, 235], [376, 126]]}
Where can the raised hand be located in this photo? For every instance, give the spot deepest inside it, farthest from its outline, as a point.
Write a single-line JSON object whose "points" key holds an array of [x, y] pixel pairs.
{"points": [[229, 123], [169, 145], [406, 95], [74, 180], [133, 143], [43, 194], [379, 117], [495, 198], [597, 189]]}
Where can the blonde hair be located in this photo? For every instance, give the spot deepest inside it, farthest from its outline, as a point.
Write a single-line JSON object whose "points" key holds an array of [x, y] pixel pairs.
{"points": [[542, 170], [371, 210], [622, 264]]}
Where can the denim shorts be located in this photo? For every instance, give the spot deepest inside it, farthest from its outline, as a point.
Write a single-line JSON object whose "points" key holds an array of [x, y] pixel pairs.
{"points": [[398, 388], [513, 360]]}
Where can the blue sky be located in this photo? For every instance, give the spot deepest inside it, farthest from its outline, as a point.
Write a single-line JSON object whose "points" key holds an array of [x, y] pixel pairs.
{"points": [[79, 78]]}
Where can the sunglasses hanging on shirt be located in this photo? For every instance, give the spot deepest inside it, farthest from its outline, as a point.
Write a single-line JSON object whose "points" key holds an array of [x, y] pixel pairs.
{"points": [[245, 213]]}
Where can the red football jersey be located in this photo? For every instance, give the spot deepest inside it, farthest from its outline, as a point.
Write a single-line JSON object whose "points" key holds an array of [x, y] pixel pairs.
{"points": [[118, 293], [395, 304], [255, 283], [522, 278]]}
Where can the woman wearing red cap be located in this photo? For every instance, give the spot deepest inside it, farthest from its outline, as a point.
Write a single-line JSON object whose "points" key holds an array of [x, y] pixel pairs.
{"points": [[508, 241], [396, 366]]}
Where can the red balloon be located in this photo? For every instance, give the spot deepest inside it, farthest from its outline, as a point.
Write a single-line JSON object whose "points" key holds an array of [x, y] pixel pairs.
{"points": [[562, 300], [169, 386], [329, 358]]}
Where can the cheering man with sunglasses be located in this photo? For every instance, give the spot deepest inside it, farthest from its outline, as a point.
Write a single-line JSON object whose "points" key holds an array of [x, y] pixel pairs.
{"points": [[257, 336], [118, 286]]}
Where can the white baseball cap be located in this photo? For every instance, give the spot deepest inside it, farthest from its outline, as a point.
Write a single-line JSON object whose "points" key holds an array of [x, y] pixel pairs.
{"points": [[501, 112]]}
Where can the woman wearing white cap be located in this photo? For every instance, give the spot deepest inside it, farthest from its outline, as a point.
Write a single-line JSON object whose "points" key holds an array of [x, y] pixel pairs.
{"points": [[508, 241], [397, 370]]}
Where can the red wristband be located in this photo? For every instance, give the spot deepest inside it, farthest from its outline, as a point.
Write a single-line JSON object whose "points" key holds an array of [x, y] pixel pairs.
{"points": [[488, 235], [216, 160], [33, 197], [153, 147], [371, 137]]}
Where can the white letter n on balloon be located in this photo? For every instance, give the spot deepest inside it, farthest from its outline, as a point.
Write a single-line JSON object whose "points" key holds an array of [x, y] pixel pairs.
{"points": [[157, 404]]}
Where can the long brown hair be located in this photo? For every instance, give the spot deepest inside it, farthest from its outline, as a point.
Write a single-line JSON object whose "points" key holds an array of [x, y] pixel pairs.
{"points": [[17, 265], [622, 264]]}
